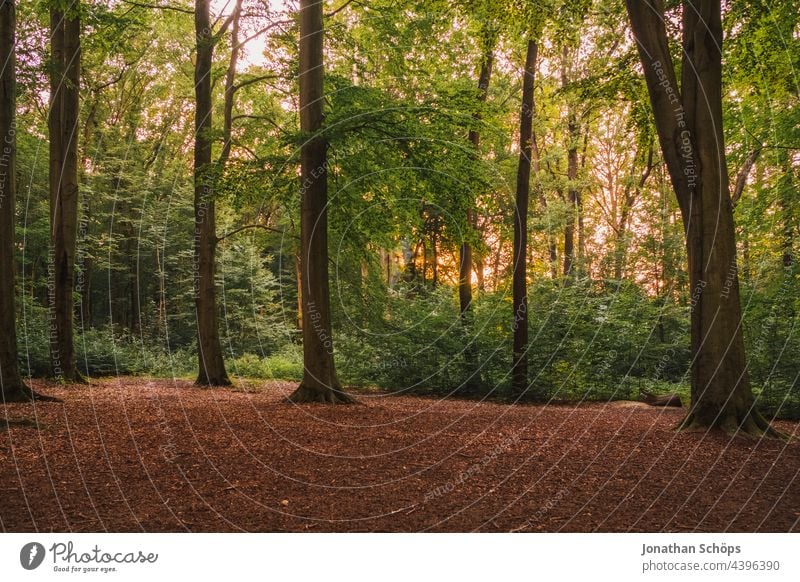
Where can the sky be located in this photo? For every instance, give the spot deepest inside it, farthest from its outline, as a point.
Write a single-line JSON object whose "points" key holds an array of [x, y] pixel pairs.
{"points": [[253, 53]]}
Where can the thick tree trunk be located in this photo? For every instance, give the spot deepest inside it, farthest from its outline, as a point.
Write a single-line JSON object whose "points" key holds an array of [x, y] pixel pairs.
{"points": [[466, 255], [211, 364], [319, 383], [12, 387], [519, 371], [63, 129], [689, 125]]}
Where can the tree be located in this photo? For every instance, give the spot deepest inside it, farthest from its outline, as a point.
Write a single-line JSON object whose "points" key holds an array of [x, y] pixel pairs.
{"points": [[11, 386], [689, 125], [65, 28], [465, 251], [519, 371], [211, 364], [320, 383]]}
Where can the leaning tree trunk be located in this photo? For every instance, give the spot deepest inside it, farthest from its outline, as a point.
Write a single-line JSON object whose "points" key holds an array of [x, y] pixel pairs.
{"points": [[63, 129], [519, 371], [319, 383], [689, 124], [211, 364]]}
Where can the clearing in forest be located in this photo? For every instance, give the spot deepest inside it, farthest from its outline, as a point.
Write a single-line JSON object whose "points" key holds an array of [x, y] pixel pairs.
{"points": [[132, 454]]}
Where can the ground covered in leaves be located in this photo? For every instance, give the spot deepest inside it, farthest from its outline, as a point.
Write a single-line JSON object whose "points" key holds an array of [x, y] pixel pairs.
{"points": [[132, 454]]}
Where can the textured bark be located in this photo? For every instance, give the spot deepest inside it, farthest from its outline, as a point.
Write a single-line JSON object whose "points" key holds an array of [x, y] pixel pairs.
{"points": [[319, 383], [689, 125], [63, 129], [519, 372], [466, 254], [12, 387], [211, 364]]}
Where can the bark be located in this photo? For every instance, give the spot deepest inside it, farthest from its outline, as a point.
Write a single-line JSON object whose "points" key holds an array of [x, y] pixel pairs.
{"points": [[689, 125], [744, 172], [574, 203], [519, 372], [297, 272], [319, 383], [63, 129], [785, 204], [230, 88], [466, 254], [211, 364], [12, 387]]}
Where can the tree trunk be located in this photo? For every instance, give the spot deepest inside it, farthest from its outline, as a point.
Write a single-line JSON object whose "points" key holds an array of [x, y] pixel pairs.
{"points": [[211, 364], [466, 256], [63, 129], [786, 188], [689, 125], [319, 383], [519, 372], [12, 388], [574, 205]]}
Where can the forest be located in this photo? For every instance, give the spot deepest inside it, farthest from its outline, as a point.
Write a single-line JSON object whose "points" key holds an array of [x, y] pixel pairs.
{"points": [[484, 228]]}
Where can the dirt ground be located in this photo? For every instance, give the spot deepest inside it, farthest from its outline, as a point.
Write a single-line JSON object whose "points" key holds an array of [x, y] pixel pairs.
{"points": [[131, 454]]}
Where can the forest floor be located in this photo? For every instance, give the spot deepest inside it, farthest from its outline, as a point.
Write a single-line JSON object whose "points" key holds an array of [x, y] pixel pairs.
{"points": [[134, 454]]}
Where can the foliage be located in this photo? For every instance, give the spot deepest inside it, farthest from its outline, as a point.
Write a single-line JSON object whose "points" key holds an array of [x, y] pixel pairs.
{"points": [[403, 176]]}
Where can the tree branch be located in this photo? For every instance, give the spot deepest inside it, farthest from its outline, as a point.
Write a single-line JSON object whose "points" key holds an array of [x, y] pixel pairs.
{"points": [[249, 226], [744, 171], [159, 6], [252, 80], [338, 10]]}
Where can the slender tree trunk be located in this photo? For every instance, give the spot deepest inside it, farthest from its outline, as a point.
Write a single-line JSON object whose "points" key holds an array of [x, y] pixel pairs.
{"points": [[320, 383], [63, 128], [435, 258], [786, 187], [689, 124], [519, 372], [230, 87], [480, 267], [85, 281], [299, 279], [211, 364], [572, 198], [466, 254]]}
